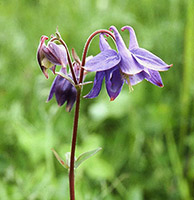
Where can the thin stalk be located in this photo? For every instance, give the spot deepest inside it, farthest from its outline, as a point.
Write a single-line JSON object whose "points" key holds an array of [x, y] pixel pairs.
{"points": [[73, 145], [86, 49]]}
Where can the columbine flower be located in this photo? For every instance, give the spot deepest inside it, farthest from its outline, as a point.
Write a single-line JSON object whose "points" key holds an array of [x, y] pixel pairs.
{"points": [[51, 55], [64, 91], [129, 65]]}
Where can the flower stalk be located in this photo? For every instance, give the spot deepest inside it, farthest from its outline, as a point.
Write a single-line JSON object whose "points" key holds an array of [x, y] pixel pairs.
{"points": [[73, 146]]}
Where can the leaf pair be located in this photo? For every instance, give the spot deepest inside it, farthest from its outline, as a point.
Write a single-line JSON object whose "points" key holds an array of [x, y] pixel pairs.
{"points": [[78, 161]]}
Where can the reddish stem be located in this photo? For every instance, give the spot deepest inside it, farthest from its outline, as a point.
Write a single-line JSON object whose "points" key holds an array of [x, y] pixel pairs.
{"points": [[86, 49], [73, 145]]}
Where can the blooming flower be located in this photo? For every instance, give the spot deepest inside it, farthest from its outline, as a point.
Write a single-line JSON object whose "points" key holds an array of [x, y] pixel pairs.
{"points": [[51, 55], [130, 65], [64, 91]]}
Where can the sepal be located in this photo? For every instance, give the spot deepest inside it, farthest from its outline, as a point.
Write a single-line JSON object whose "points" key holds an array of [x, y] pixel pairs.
{"points": [[105, 60]]}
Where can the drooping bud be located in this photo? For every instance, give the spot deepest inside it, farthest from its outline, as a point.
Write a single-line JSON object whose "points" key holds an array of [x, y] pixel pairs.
{"points": [[51, 55]]}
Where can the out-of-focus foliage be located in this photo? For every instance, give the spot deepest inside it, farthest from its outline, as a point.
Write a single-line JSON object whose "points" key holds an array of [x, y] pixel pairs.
{"points": [[147, 136]]}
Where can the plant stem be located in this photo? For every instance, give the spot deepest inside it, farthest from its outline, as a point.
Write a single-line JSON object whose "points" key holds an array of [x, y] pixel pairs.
{"points": [[76, 117], [73, 145]]}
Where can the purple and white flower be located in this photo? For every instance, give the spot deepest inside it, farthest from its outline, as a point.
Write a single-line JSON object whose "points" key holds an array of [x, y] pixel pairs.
{"points": [[130, 65]]}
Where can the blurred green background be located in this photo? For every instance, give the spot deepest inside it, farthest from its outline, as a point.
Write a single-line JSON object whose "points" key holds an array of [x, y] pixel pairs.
{"points": [[147, 136]]}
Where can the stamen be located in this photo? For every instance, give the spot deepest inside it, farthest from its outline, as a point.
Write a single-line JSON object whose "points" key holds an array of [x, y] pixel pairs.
{"points": [[129, 84], [126, 77]]}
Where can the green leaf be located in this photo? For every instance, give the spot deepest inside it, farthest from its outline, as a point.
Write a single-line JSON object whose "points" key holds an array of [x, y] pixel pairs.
{"points": [[85, 156], [62, 162]]}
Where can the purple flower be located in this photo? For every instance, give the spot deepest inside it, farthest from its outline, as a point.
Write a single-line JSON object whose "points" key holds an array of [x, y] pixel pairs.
{"points": [[130, 65], [64, 91], [51, 55]]}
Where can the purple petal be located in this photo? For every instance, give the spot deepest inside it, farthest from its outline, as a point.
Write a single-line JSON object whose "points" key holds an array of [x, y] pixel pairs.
{"points": [[62, 90], [50, 56], [155, 78], [40, 54], [103, 43], [52, 90], [133, 40], [64, 55], [105, 60], [57, 81], [56, 54], [149, 60], [59, 51], [96, 86], [71, 98], [137, 78], [119, 41], [128, 64], [114, 82]]}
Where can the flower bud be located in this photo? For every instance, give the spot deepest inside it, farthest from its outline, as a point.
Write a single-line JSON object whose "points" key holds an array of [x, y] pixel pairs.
{"points": [[51, 55]]}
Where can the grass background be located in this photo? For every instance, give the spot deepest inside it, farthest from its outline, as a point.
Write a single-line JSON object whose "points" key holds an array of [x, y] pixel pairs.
{"points": [[147, 136]]}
